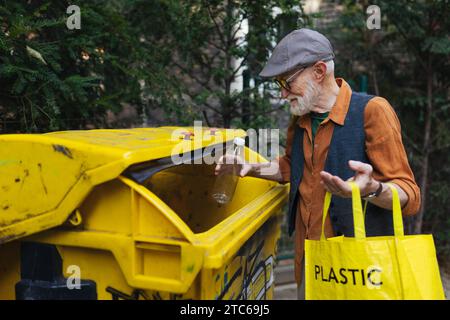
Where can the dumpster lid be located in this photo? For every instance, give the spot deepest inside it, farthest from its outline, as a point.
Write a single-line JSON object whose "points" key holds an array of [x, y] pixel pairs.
{"points": [[45, 177]]}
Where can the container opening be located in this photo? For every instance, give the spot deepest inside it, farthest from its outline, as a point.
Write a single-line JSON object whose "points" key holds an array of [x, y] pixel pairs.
{"points": [[187, 190]]}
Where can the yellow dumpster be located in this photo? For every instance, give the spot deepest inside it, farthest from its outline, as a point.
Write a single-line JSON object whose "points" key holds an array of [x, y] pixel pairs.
{"points": [[107, 214]]}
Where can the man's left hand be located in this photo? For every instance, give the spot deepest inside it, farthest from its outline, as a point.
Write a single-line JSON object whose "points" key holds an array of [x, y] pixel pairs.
{"points": [[363, 178]]}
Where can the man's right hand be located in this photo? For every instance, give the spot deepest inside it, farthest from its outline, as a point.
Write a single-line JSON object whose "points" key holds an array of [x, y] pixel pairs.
{"points": [[226, 164], [266, 170]]}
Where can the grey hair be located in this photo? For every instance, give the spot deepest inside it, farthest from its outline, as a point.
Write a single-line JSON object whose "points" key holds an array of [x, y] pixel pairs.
{"points": [[330, 66]]}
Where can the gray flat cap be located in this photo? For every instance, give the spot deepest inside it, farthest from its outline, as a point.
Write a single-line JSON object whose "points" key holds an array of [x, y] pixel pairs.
{"points": [[302, 47]]}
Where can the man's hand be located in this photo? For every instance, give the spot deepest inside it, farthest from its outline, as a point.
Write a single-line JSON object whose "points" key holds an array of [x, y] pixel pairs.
{"points": [[363, 178], [226, 164]]}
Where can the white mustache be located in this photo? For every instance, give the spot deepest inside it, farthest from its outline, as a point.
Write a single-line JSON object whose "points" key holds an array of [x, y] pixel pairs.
{"points": [[304, 102]]}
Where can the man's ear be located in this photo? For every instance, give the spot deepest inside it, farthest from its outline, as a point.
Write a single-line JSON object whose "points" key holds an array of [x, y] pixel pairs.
{"points": [[319, 71]]}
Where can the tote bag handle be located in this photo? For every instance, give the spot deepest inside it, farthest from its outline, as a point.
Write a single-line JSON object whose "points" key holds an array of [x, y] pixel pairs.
{"points": [[358, 217]]}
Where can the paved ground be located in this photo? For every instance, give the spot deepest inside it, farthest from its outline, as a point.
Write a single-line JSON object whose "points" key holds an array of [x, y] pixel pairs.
{"points": [[285, 286], [286, 292], [445, 276]]}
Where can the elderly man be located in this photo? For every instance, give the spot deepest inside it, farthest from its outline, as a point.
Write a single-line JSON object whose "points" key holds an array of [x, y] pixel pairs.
{"points": [[335, 135]]}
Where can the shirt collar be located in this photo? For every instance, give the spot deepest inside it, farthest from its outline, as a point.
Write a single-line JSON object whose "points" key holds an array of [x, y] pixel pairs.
{"points": [[340, 107]]}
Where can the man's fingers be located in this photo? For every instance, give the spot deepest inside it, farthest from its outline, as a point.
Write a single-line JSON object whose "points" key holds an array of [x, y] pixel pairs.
{"points": [[221, 160], [325, 186], [245, 169], [227, 163], [342, 185], [335, 185], [325, 176], [327, 180], [360, 166]]}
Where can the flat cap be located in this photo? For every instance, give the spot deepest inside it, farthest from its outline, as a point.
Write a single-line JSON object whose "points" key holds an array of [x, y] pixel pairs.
{"points": [[302, 47]]}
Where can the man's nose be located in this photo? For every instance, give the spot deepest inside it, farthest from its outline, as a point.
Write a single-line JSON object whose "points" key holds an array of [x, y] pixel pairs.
{"points": [[284, 93]]}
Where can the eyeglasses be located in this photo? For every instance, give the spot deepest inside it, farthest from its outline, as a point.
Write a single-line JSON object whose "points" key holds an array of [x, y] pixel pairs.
{"points": [[285, 83]]}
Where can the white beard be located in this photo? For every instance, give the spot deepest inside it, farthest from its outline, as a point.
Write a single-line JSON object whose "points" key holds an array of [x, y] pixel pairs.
{"points": [[304, 103]]}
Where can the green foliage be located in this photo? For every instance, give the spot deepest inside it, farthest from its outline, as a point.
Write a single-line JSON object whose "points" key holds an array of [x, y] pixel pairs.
{"points": [[206, 48], [53, 78], [177, 56]]}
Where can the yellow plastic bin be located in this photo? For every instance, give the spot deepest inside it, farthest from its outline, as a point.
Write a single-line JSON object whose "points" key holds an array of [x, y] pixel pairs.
{"points": [[105, 214]]}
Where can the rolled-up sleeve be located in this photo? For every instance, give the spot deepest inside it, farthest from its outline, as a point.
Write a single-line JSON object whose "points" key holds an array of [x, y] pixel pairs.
{"points": [[284, 161], [386, 152]]}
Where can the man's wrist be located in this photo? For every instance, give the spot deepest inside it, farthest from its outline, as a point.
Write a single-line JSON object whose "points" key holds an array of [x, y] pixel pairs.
{"points": [[374, 185], [374, 190]]}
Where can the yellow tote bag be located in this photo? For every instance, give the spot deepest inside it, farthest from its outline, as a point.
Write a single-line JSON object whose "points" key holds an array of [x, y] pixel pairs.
{"points": [[387, 267]]}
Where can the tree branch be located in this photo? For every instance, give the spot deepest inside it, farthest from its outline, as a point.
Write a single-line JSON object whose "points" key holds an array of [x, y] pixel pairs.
{"points": [[206, 104], [206, 118], [204, 84], [213, 44], [445, 146], [244, 59], [236, 31], [219, 32], [412, 46], [281, 107], [411, 142]]}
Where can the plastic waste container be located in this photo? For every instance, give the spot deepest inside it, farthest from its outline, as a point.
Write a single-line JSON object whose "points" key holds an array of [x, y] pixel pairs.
{"points": [[106, 214]]}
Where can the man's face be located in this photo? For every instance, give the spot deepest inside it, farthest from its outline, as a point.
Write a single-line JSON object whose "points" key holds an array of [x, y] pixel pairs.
{"points": [[303, 92]]}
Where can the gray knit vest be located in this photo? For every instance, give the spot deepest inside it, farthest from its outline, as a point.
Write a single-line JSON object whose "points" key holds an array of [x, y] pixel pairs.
{"points": [[347, 143]]}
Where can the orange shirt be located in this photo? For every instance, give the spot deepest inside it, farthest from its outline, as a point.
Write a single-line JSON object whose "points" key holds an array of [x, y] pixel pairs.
{"points": [[384, 149]]}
